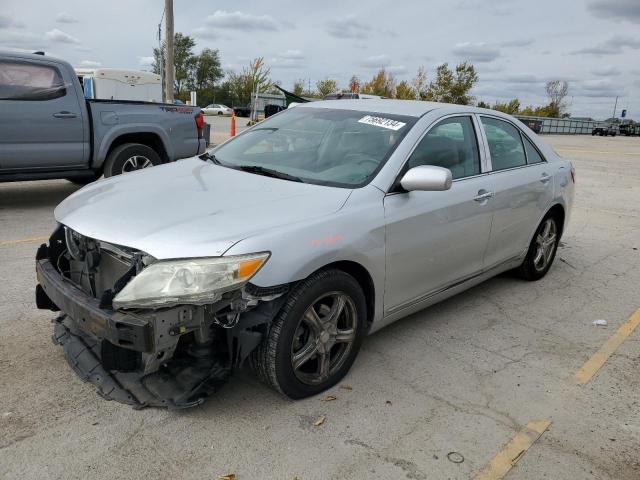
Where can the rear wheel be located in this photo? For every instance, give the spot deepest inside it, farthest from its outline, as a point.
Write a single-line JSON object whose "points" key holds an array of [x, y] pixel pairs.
{"points": [[315, 337], [542, 250], [130, 157]]}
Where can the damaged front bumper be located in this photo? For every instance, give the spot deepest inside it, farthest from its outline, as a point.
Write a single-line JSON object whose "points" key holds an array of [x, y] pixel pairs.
{"points": [[172, 357]]}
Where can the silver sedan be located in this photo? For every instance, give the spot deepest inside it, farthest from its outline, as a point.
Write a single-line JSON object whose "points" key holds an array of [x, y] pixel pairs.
{"points": [[283, 247]]}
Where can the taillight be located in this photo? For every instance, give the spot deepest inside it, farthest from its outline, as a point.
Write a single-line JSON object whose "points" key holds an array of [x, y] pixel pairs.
{"points": [[200, 124]]}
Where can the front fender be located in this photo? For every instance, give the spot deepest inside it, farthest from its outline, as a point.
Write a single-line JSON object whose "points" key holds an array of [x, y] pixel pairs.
{"points": [[356, 233]]}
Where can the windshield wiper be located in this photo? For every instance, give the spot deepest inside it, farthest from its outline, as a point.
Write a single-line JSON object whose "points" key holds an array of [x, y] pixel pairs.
{"points": [[267, 172], [210, 156]]}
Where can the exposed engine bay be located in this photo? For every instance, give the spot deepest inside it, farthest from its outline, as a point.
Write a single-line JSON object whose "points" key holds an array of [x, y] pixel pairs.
{"points": [[170, 356]]}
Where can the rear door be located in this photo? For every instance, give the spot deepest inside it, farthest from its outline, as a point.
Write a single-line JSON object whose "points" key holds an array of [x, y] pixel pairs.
{"points": [[41, 124], [436, 239], [523, 185]]}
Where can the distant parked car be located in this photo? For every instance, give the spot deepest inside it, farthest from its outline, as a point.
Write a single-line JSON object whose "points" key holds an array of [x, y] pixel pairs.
{"points": [[217, 109], [350, 96], [604, 130], [629, 129]]}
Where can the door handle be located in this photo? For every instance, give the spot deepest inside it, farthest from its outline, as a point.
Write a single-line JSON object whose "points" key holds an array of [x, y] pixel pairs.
{"points": [[545, 178], [483, 195], [65, 114]]}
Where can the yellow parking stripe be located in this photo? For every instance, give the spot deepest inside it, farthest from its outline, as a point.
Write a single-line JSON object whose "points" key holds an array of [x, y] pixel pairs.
{"points": [[591, 367], [24, 240], [513, 451]]}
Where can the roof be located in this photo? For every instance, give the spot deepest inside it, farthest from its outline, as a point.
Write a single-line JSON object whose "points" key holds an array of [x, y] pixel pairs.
{"points": [[412, 108]]}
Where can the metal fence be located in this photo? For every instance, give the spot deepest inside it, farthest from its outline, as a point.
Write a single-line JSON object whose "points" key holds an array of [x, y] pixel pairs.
{"points": [[566, 126]]}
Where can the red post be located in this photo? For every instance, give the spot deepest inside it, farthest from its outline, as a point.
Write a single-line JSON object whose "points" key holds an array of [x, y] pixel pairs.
{"points": [[232, 130]]}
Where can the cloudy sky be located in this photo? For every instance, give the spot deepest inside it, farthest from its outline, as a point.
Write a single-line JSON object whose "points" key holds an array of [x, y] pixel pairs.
{"points": [[516, 45]]}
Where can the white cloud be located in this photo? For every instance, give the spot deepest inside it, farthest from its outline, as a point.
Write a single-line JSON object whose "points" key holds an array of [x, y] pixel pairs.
{"points": [[289, 59], [348, 27], [90, 63], [519, 42], [613, 46], [606, 71], [476, 52], [628, 10], [64, 17], [397, 69], [241, 21], [21, 39], [56, 35], [376, 61], [292, 55], [8, 22]]}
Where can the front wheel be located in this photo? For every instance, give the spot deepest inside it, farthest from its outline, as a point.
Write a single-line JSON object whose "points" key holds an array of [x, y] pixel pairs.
{"points": [[314, 339], [542, 250], [130, 157]]}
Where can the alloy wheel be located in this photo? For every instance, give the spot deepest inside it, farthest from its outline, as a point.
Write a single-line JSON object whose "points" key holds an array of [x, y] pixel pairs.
{"points": [[324, 337], [545, 244], [136, 162]]}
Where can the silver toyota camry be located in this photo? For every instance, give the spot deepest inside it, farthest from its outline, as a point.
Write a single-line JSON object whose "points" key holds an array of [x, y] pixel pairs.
{"points": [[283, 247]]}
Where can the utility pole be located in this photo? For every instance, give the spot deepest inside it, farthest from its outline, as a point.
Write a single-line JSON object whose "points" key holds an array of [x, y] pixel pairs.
{"points": [[161, 58], [614, 108], [169, 63]]}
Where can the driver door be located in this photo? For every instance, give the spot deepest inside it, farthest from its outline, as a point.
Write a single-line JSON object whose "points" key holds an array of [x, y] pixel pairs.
{"points": [[435, 240]]}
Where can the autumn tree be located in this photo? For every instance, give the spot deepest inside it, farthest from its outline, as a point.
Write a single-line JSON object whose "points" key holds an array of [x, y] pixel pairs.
{"points": [[511, 107], [253, 77], [420, 83], [404, 91], [326, 86], [382, 84], [354, 82], [557, 91], [453, 87]]}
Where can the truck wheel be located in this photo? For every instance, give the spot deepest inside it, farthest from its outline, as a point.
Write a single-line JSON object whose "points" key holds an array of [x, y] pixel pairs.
{"points": [[315, 337], [130, 157]]}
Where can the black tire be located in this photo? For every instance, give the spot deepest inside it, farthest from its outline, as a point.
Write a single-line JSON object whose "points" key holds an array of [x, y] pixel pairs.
{"points": [[531, 268], [120, 159], [220, 113], [273, 359]]}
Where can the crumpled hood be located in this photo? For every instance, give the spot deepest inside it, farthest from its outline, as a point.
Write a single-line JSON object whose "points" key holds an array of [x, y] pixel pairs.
{"points": [[191, 208]]}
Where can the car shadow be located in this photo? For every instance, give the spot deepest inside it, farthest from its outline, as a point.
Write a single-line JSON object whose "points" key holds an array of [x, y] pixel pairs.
{"points": [[32, 195]]}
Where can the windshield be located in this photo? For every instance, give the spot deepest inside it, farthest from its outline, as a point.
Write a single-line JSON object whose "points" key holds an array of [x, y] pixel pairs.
{"points": [[315, 145]]}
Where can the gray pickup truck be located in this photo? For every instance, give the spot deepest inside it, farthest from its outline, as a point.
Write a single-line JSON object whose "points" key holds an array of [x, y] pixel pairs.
{"points": [[49, 130]]}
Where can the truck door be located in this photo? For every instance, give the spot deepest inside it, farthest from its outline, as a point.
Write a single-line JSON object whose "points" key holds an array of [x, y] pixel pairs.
{"points": [[41, 119]]}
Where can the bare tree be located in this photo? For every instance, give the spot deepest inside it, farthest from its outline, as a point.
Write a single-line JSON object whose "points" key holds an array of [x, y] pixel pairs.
{"points": [[557, 91]]}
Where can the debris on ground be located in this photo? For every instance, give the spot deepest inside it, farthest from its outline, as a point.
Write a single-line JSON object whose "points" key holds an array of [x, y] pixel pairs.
{"points": [[600, 323], [344, 386], [228, 476], [455, 457], [329, 398], [319, 421], [388, 402]]}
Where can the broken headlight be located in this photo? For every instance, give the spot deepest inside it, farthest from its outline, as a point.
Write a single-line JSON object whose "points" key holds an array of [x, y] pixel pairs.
{"points": [[193, 281]]}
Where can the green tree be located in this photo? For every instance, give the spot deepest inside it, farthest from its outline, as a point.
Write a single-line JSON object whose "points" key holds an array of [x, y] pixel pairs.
{"points": [[483, 104], [382, 84], [404, 91], [298, 87], [511, 107], [326, 86], [206, 71], [450, 87], [184, 60]]}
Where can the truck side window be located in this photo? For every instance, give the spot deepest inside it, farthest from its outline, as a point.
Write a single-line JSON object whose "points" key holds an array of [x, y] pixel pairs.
{"points": [[31, 82]]}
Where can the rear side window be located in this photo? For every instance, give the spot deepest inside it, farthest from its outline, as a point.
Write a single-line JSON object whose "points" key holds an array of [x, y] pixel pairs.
{"points": [[505, 144], [450, 144], [532, 154], [26, 81]]}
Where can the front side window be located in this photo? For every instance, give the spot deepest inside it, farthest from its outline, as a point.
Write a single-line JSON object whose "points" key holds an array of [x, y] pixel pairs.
{"points": [[505, 144], [343, 148], [450, 144], [26, 81]]}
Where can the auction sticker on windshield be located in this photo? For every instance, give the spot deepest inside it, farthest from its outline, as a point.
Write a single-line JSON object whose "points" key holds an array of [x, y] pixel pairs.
{"points": [[382, 122]]}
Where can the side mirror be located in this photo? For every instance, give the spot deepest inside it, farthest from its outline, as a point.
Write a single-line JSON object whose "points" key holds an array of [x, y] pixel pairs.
{"points": [[427, 178]]}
